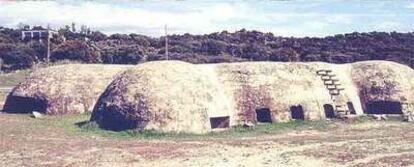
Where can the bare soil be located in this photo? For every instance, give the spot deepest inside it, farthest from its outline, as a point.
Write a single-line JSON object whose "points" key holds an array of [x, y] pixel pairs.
{"points": [[57, 141]]}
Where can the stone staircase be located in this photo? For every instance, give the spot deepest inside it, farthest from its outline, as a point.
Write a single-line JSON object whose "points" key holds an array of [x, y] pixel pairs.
{"points": [[333, 85]]}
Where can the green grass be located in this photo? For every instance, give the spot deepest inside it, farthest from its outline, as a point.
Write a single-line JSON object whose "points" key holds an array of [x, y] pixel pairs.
{"points": [[79, 125], [11, 80], [14, 78], [92, 128]]}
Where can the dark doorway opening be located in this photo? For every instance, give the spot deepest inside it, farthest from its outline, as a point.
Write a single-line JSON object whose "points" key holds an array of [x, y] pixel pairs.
{"points": [[297, 112], [329, 111], [263, 115], [351, 108], [219, 122], [384, 107], [17, 104]]}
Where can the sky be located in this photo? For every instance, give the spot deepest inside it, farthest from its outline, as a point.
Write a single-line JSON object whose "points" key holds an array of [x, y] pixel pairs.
{"points": [[282, 18]]}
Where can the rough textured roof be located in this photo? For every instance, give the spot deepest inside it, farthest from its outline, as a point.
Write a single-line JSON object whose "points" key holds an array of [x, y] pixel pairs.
{"points": [[62, 89], [182, 97]]}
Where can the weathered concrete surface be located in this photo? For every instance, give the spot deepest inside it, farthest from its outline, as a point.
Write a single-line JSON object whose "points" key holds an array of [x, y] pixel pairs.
{"points": [[62, 89], [181, 97]]}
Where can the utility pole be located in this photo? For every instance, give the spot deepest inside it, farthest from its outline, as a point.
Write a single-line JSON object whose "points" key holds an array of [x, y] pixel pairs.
{"points": [[166, 41], [1, 65], [31, 34], [265, 43], [48, 46]]}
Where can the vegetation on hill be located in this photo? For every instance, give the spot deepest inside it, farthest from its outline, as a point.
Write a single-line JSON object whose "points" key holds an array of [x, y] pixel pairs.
{"points": [[95, 47]]}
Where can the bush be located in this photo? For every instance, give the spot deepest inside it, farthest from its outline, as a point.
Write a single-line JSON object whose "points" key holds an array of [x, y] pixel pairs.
{"points": [[16, 57], [75, 50], [122, 55]]}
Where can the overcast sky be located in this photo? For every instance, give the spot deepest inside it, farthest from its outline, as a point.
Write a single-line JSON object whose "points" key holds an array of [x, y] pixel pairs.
{"points": [[283, 18]]}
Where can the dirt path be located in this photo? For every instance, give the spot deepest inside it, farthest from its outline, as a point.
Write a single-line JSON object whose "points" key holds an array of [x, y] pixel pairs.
{"points": [[24, 142]]}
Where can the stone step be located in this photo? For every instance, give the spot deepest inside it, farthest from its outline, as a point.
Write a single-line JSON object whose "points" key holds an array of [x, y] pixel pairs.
{"points": [[321, 72], [340, 106], [331, 87], [334, 92], [331, 75], [326, 78], [341, 111], [328, 82], [340, 88]]}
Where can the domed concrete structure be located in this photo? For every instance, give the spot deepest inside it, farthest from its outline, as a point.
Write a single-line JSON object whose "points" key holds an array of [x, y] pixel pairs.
{"points": [[173, 96], [62, 89]]}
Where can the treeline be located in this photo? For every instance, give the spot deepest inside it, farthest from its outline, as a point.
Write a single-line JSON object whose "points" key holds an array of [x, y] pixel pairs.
{"points": [[95, 47]]}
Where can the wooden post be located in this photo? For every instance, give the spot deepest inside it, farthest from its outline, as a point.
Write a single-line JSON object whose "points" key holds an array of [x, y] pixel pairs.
{"points": [[48, 47], [166, 42], [1, 65]]}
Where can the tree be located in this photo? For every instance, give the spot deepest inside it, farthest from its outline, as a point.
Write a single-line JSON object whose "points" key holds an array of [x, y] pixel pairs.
{"points": [[122, 55], [75, 50]]}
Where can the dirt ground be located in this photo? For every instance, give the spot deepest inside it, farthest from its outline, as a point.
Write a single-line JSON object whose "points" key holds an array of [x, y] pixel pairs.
{"points": [[26, 141]]}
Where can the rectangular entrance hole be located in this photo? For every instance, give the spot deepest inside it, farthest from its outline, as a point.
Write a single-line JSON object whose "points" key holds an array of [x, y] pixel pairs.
{"points": [[297, 112], [329, 111], [219, 122], [263, 115], [384, 107]]}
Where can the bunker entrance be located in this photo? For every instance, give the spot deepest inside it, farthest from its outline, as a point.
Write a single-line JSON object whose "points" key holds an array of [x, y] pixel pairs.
{"points": [[17, 104], [384, 107], [219, 122], [351, 108], [329, 111], [263, 115], [297, 112]]}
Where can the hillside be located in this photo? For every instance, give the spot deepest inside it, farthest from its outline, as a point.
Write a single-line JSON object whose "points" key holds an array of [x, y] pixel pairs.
{"points": [[96, 47]]}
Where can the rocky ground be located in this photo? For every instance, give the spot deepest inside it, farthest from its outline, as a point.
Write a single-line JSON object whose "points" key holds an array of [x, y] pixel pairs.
{"points": [[58, 141]]}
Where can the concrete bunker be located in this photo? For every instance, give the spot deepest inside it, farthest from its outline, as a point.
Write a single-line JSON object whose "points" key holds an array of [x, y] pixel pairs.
{"points": [[62, 89], [297, 112], [263, 115], [383, 107], [219, 122], [194, 97], [18, 104], [329, 111]]}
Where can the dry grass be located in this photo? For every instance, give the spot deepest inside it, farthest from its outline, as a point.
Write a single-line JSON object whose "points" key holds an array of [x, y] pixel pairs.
{"points": [[58, 141], [10, 80]]}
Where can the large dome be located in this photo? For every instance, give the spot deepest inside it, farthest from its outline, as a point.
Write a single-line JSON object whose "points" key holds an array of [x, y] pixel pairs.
{"points": [[173, 96]]}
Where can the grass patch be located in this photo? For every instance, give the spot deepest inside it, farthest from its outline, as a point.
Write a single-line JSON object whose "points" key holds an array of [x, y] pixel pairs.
{"points": [[363, 118], [13, 78], [273, 128], [92, 128], [80, 126], [370, 118]]}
